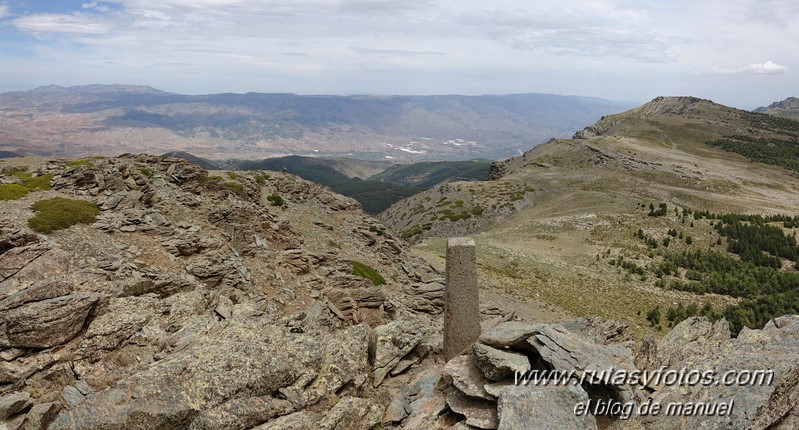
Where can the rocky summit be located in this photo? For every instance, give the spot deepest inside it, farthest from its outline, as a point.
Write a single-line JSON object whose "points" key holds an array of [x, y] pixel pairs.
{"points": [[257, 300]]}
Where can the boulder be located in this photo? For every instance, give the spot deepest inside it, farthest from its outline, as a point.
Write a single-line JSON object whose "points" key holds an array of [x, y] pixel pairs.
{"points": [[352, 413], [766, 359], [47, 323], [467, 377], [243, 360], [565, 351], [545, 407], [478, 412], [497, 365], [13, 404], [391, 343]]}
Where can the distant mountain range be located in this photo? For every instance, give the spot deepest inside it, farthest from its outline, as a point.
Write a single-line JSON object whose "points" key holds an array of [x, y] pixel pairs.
{"points": [[788, 108], [114, 119]]}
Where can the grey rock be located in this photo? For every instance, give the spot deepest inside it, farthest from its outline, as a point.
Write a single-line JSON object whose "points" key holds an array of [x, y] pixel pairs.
{"points": [[405, 364], [398, 408], [679, 342], [563, 350], [40, 416], [545, 407], [478, 412], [467, 377], [495, 389], [48, 322], [391, 342], [421, 391], [506, 334], [696, 343], [599, 330], [11, 353], [244, 357], [122, 318], [425, 297], [352, 413], [14, 403], [72, 396], [344, 362], [83, 387], [35, 293], [15, 259], [497, 365], [303, 420], [12, 423], [241, 413]]}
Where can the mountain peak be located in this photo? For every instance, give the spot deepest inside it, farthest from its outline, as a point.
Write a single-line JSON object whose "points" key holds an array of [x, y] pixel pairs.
{"points": [[659, 106], [674, 105], [787, 108]]}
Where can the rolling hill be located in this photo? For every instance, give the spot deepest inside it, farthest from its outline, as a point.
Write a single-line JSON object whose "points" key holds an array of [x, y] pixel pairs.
{"points": [[618, 213], [114, 119]]}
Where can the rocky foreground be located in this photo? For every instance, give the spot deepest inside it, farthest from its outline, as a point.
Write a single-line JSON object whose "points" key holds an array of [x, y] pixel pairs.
{"points": [[203, 302]]}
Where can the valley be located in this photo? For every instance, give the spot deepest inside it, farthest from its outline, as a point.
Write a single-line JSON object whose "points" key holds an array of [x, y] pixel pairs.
{"points": [[115, 119]]}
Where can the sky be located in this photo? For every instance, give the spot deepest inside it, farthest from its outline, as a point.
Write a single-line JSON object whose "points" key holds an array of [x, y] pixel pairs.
{"points": [[741, 53]]}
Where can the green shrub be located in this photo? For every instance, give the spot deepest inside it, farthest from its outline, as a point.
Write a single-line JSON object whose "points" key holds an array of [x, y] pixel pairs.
{"points": [[232, 175], [74, 163], [146, 172], [364, 271], [653, 316], [29, 183], [60, 213], [235, 187], [261, 179], [12, 191], [38, 183], [276, 200]]}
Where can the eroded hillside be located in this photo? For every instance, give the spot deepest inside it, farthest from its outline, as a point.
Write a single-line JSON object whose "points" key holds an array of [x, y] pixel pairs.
{"points": [[195, 301]]}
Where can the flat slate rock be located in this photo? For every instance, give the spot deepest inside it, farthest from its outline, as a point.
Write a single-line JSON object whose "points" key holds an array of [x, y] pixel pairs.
{"points": [[546, 407], [478, 412], [508, 333], [467, 376]]}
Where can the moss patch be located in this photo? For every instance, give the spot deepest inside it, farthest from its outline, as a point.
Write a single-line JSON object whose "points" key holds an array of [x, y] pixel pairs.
{"points": [[60, 213], [235, 187], [276, 200], [364, 271], [29, 183]]}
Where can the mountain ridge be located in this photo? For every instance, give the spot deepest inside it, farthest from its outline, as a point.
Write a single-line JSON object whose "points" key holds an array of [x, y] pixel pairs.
{"points": [[85, 120]]}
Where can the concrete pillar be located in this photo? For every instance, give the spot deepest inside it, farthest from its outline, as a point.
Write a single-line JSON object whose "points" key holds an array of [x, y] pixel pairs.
{"points": [[461, 297]]}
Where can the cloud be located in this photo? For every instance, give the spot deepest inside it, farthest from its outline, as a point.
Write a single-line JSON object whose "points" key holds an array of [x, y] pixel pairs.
{"points": [[769, 67], [4, 11], [396, 52], [597, 29], [76, 23], [95, 5]]}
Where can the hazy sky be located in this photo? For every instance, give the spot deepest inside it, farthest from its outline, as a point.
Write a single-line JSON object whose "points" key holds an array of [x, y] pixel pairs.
{"points": [[737, 52]]}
